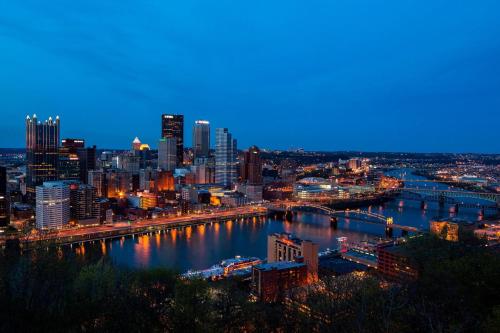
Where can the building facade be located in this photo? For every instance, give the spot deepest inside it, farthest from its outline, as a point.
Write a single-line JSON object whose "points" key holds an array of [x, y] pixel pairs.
{"points": [[251, 168], [52, 205], [69, 160], [284, 247], [271, 281], [172, 126], [42, 155], [225, 158], [167, 154], [84, 208], [201, 139]]}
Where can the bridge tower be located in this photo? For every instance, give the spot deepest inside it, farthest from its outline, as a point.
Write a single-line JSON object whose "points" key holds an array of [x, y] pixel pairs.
{"points": [[388, 228]]}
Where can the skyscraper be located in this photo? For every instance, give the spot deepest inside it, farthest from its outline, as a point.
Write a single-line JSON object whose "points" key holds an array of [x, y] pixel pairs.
{"points": [[87, 157], [4, 199], [52, 205], [172, 126], [251, 169], [69, 162], [42, 155], [167, 154], [136, 144], [201, 139], [225, 157]]}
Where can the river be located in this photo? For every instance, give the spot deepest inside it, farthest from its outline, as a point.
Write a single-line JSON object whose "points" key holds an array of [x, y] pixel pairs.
{"points": [[202, 246]]}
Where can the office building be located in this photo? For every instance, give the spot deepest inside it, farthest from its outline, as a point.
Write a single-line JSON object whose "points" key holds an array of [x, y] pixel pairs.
{"points": [[52, 205], [225, 158], [251, 174], [87, 157], [201, 139], [167, 154], [136, 144], [84, 209], [118, 183], [4, 199], [251, 168], [69, 161], [172, 126], [204, 173], [131, 163], [97, 179], [42, 155], [284, 247]]}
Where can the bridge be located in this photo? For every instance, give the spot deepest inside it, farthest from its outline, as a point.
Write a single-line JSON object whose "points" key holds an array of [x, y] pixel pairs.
{"points": [[453, 197], [288, 208]]}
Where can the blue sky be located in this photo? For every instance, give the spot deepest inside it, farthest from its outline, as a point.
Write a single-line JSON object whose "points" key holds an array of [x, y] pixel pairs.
{"points": [[393, 75]]}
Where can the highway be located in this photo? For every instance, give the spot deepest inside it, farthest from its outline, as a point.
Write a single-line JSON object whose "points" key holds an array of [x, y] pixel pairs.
{"points": [[91, 233]]}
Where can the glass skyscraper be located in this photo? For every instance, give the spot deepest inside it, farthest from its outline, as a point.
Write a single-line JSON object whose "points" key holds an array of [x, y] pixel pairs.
{"points": [[201, 139], [172, 126], [42, 155], [167, 154], [225, 157]]}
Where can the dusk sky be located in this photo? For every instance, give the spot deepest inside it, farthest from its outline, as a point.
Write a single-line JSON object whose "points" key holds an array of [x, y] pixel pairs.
{"points": [[393, 75]]}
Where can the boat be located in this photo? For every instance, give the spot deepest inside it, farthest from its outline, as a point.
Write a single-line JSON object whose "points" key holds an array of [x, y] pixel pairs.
{"points": [[227, 267]]}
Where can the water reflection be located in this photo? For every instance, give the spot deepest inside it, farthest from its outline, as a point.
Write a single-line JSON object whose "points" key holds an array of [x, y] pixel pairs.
{"points": [[202, 246]]}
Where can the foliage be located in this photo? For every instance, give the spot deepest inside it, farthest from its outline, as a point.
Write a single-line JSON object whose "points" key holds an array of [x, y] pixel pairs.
{"points": [[458, 290]]}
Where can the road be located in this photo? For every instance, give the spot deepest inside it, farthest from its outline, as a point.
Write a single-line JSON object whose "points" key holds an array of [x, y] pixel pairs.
{"points": [[118, 229]]}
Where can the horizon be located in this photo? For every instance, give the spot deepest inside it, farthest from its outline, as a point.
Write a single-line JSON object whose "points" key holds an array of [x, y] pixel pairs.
{"points": [[404, 77], [294, 150]]}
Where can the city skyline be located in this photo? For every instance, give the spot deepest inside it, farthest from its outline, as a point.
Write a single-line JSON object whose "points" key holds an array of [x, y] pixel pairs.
{"points": [[326, 78]]}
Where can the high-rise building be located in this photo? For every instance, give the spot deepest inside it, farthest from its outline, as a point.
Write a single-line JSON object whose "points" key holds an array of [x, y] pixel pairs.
{"points": [[225, 157], [251, 168], [69, 161], [118, 183], [83, 203], [201, 139], [97, 179], [112, 183], [52, 205], [4, 199], [87, 157], [42, 155], [172, 126], [136, 144], [167, 154]]}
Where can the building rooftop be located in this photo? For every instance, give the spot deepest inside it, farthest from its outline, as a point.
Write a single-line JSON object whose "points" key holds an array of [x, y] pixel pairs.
{"points": [[279, 265], [340, 266], [54, 184]]}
